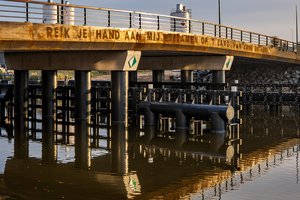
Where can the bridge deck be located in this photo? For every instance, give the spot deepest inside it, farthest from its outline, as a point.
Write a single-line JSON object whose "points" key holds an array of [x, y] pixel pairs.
{"points": [[151, 34]]}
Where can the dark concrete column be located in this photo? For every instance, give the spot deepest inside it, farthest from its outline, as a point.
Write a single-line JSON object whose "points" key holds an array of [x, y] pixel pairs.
{"points": [[187, 76], [82, 118], [218, 76], [49, 85], [20, 103], [158, 76], [119, 98], [132, 76], [119, 160]]}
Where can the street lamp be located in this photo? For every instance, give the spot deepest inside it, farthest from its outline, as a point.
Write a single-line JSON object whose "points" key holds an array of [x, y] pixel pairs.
{"points": [[297, 26], [219, 9]]}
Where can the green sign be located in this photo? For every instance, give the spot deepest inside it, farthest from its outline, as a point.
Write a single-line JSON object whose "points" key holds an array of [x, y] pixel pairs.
{"points": [[132, 62]]}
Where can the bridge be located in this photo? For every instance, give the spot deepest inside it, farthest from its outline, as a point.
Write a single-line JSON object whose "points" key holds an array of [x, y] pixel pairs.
{"points": [[45, 36]]}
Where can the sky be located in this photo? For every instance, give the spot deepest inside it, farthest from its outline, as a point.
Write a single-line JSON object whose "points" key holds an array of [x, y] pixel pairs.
{"points": [[271, 17]]}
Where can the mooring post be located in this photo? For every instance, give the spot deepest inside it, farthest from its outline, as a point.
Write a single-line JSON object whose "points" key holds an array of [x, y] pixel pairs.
{"points": [[158, 76], [119, 98], [49, 85], [82, 117]]}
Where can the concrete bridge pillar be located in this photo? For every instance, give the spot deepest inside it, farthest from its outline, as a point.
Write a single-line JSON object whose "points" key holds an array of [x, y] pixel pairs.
{"points": [[218, 76], [132, 76], [119, 96], [20, 103], [158, 76], [49, 85], [20, 114], [186, 76], [119, 161], [82, 117]]}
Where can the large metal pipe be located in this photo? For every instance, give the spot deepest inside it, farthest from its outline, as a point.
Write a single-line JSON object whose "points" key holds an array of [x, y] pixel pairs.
{"points": [[181, 122], [200, 111], [49, 85], [20, 103], [218, 125], [82, 117], [119, 98]]}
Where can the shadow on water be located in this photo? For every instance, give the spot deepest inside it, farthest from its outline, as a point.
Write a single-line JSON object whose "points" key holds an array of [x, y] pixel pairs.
{"points": [[127, 163]]}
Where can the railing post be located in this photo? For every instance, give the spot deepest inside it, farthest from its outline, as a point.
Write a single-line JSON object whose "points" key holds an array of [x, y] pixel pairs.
{"points": [[27, 12], [258, 39], [62, 13], [174, 24], [267, 40], [250, 37], [203, 28], [231, 34], [140, 21], [158, 23], [226, 34], [190, 26], [84, 17], [241, 36], [57, 8], [108, 18], [130, 20], [293, 46], [215, 30]]}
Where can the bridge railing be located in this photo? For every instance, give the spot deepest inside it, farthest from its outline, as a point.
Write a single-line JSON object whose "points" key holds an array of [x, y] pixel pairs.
{"points": [[34, 11]]}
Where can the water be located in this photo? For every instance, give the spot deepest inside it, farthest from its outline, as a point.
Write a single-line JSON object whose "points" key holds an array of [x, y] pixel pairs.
{"points": [[261, 161]]}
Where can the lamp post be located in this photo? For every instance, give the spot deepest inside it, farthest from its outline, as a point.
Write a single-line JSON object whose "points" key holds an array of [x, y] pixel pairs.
{"points": [[219, 10], [297, 27]]}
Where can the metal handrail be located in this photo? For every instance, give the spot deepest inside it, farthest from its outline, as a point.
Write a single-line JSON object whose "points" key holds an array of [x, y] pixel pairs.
{"points": [[23, 9]]}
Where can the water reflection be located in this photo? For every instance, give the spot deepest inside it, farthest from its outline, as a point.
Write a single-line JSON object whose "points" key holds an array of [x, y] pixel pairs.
{"points": [[148, 164]]}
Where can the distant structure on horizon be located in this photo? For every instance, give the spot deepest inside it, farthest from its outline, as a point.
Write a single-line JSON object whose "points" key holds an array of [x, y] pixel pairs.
{"points": [[181, 25]]}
